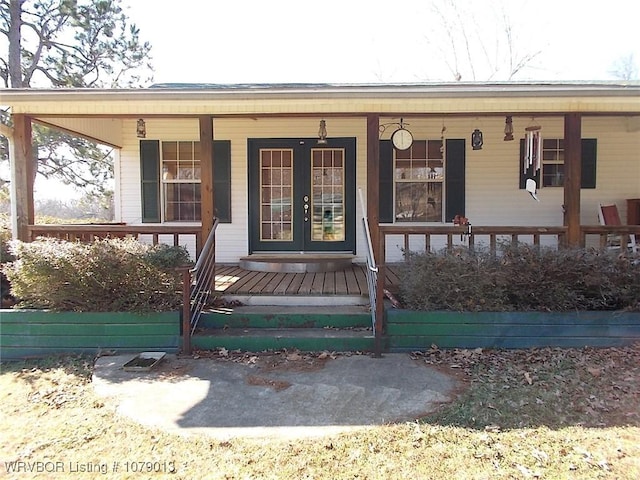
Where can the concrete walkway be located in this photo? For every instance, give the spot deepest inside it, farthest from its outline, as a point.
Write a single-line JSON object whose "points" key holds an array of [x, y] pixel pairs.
{"points": [[295, 396]]}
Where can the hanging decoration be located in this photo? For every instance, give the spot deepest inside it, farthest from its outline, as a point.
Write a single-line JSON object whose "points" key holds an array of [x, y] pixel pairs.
{"points": [[476, 139], [141, 128], [322, 133], [444, 129], [508, 128], [532, 150], [401, 138], [532, 158]]}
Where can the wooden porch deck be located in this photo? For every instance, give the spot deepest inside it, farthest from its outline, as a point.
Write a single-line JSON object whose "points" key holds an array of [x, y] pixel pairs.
{"points": [[233, 280]]}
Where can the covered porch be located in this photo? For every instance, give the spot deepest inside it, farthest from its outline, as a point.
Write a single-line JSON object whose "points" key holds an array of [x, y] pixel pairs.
{"points": [[358, 120]]}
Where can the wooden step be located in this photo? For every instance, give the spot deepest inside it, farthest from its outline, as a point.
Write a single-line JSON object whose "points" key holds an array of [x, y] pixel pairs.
{"points": [[265, 316], [303, 339], [259, 328]]}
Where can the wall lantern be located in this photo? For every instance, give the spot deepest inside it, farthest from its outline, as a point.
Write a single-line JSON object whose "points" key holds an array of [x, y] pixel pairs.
{"points": [[476, 140], [141, 128], [508, 128], [322, 133]]}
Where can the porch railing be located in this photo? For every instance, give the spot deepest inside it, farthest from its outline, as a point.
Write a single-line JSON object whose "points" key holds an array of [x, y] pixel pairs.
{"points": [[203, 278], [470, 236], [372, 284], [447, 236], [421, 238], [88, 232], [604, 233]]}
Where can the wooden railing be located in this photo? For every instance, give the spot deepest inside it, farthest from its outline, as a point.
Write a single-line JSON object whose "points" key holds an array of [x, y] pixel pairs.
{"points": [[445, 236], [428, 237], [603, 233], [470, 235], [89, 232]]}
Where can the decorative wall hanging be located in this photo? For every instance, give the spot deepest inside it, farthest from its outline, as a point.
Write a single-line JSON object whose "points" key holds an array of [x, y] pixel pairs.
{"points": [[141, 128], [508, 128], [401, 138], [532, 159], [322, 133], [532, 188], [476, 139], [532, 149], [444, 129]]}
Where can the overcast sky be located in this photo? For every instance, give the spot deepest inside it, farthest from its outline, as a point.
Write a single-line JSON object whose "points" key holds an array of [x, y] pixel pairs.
{"points": [[350, 41]]}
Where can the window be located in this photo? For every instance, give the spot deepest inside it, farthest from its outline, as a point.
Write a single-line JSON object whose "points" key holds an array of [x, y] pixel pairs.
{"points": [[452, 185], [552, 162], [419, 174], [180, 181], [551, 173], [170, 180]]}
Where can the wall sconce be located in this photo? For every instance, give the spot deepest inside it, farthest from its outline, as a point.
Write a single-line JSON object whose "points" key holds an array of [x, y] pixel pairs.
{"points": [[141, 128], [508, 128], [476, 140], [322, 133]]}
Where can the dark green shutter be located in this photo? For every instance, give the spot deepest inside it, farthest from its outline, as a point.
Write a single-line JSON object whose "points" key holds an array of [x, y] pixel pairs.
{"points": [[454, 179], [222, 180], [385, 187], [588, 168], [588, 172], [150, 180]]}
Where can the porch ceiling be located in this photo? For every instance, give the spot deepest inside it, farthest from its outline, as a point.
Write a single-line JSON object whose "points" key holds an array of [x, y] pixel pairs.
{"points": [[300, 99], [105, 130]]}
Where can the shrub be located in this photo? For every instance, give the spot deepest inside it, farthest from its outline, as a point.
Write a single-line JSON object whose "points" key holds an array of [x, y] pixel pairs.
{"points": [[101, 276], [520, 278], [5, 238]]}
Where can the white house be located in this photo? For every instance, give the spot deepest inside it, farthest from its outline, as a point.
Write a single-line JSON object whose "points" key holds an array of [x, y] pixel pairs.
{"points": [[281, 166]]}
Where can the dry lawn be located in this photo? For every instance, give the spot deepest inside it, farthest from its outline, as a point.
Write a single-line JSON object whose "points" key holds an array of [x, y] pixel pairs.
{"points": [[547, 414]]}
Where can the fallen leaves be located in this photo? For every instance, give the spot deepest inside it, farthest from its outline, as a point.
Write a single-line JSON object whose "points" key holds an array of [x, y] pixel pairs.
{"points": [[274, 360], [544, 386], [527, 377], [277, 385]]}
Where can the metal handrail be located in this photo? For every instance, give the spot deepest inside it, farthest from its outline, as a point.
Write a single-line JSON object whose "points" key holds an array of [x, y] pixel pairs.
{"points": [[372, 273], [203, 278]]}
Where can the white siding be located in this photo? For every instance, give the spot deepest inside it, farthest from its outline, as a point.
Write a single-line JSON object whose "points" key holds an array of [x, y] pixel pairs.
{"points": [[233, 239], [493, 196]]}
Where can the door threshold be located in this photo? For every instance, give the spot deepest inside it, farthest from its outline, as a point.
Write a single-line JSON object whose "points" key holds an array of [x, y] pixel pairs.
{"points": [[296, 262]]}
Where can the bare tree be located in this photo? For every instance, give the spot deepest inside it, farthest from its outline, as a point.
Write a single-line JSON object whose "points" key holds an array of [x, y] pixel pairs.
{"points": [[476, 43], [625, 68], [70, 43]]}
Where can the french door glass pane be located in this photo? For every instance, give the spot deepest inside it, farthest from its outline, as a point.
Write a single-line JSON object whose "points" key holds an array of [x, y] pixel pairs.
{"points": [[327, 200], [276, 200]]}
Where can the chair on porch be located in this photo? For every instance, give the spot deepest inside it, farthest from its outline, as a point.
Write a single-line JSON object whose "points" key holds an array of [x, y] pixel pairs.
{"points": [[608, 215]]}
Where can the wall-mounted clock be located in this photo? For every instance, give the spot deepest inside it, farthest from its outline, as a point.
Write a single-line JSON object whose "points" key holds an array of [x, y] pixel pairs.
{"points": [[402, 139]]}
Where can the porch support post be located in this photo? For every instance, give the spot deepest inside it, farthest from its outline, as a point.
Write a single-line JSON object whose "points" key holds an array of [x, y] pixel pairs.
{"points": [[206, 174], [22, 178], [572, 174], [373, 180], [373, 214]]}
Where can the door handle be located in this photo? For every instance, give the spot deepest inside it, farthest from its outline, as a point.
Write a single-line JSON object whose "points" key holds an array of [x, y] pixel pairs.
{"points": [[306, 208]]}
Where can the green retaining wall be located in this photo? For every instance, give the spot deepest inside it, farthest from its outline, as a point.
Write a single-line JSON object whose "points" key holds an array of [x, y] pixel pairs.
{"points": [[35, 333], [414, 330]]}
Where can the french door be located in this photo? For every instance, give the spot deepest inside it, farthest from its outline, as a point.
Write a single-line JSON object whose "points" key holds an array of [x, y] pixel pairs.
{"points": [[302, 195]]}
